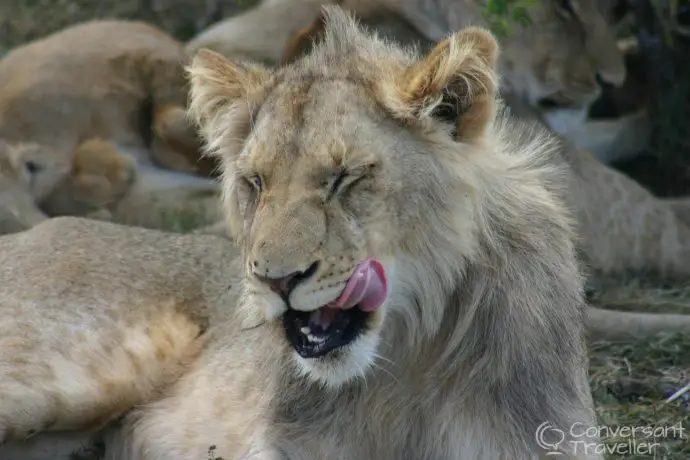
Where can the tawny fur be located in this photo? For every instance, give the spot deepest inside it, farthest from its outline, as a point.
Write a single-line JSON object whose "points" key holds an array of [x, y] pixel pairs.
{"points": [[35, 186], [98, 318], [99, 178], [481, 338], [681, 208], [110, 89], [116, 80], [106, 180]]}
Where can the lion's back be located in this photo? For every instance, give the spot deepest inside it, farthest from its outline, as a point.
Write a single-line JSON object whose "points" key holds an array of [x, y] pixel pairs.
{"points": [[84, 74]]}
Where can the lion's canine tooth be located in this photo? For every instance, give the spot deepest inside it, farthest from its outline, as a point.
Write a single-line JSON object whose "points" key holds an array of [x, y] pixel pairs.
{"points": [[306, 330]]}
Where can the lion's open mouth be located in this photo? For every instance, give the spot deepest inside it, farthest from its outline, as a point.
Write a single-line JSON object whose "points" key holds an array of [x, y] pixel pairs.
{"points": [[316, 333]]}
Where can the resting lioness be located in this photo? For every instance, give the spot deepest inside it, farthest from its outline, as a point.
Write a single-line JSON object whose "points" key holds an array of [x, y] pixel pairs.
{"points": [[121, 81]]}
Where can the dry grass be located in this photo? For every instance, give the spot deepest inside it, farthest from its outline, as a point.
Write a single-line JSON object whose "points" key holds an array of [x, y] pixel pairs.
{"points": [[629, 381]]}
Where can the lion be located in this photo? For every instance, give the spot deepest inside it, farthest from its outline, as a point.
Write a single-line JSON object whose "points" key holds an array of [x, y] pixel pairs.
{"points": [[480, 291], [623, 226], [121, 81], [36, 186], [103, 182], [116, 312], [405, 283], [399, 237]]}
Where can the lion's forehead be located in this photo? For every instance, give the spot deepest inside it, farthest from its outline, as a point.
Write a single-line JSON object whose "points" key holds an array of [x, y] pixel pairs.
{"points": [[313, 105], [313, 124]]}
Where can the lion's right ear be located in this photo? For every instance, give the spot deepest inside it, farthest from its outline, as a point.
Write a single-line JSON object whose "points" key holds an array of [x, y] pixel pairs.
{"points": [[223, 96]]}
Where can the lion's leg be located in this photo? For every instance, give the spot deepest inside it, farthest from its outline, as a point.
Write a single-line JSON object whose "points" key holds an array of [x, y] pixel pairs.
{"points": [[100, 177], [175, 142], [176, 145], [216, 403]]}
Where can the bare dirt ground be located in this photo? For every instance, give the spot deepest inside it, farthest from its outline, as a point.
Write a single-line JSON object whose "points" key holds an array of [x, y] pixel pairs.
{"points": [[629, 381]]}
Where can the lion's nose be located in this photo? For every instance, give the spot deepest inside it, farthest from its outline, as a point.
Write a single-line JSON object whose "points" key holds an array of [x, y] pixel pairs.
{"points": [[284, 285]]}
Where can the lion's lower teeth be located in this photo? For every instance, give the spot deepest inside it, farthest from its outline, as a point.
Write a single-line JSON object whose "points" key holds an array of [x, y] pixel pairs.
{"points": [[315, 339], [306, 330]]}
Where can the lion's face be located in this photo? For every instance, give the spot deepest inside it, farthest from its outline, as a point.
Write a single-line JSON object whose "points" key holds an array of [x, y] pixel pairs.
{"points": [[329, 179], [38, 168], [324, 210], [556, 62]]}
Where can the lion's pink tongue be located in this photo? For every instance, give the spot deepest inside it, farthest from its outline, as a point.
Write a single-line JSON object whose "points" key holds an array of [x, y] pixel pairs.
{"points": [[367, 287]]}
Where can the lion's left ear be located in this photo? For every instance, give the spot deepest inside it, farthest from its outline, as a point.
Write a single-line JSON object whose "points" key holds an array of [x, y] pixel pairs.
{"points": [[456, 82], [223, 95]]}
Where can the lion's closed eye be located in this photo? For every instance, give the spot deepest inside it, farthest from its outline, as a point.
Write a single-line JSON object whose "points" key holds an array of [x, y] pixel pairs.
{"points": [[346, 179]]}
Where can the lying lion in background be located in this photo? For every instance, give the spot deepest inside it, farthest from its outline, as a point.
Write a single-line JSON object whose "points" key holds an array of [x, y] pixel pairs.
{"points": [[99, 111], [118, 81], [101, 183], [34, 183], [361, 287]]}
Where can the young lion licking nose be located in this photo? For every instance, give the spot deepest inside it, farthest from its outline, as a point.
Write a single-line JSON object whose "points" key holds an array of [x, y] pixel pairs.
{"points": [[407, 256], [409, 272]]}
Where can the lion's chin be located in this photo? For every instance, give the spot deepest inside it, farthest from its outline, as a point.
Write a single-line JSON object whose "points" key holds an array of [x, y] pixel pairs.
{"points": [[345, 363]]}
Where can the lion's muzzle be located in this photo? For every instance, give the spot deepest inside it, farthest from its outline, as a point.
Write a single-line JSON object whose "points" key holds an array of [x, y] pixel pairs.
{"points": [[316, 333]]}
